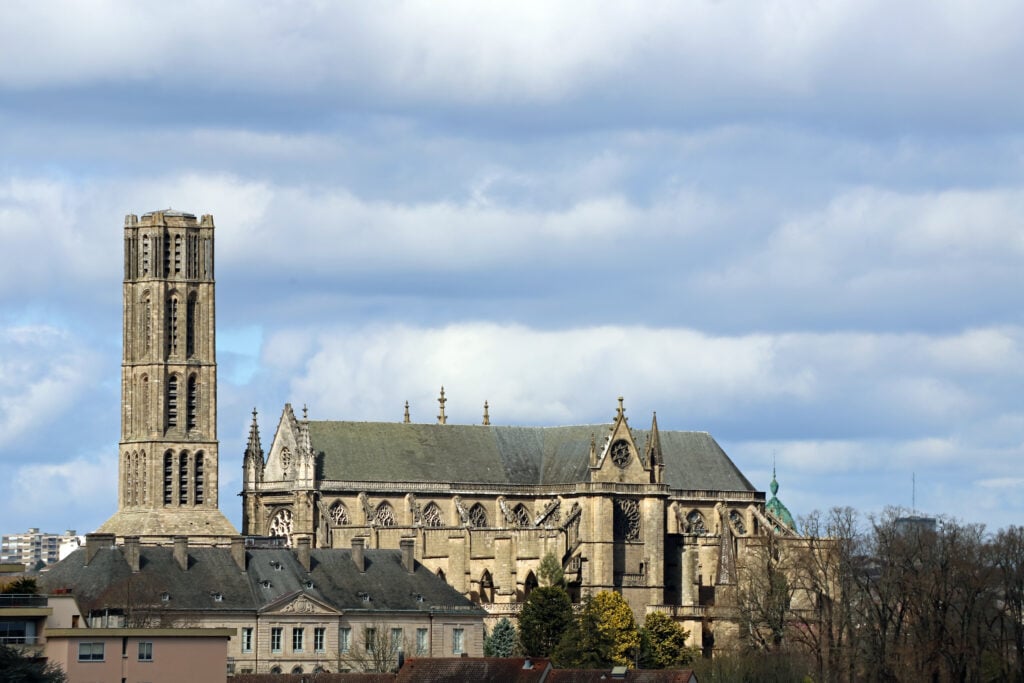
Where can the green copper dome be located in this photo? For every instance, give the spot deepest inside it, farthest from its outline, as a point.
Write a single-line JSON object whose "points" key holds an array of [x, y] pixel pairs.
{"points": [[775, 506]]}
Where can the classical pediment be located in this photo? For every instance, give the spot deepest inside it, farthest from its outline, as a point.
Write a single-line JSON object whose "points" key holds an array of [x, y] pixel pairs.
{"points": [[300, 603]]}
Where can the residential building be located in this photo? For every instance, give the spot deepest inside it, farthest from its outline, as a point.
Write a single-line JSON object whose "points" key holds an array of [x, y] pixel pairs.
{"points": [[34, 548]]}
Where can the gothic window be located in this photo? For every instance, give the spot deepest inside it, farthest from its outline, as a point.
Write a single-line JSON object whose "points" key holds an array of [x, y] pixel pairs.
{"points": [[521, 515], [193, 257], [145, 255], [147, 325], [627, 519], [172, 326], [695, 523], [486, 587], [620, 453], [200, 478], [144, 404], [530, 584], [385, 515], [172, 401], [129, 484], [190, 326], [339, 514], [281, 525], [736, 519], [144, 468], [135, 479], [167, 255], [286, 459], [432, 516], [183, 478], [177, 254], [168, 477], [477, 516], [192, 406]]}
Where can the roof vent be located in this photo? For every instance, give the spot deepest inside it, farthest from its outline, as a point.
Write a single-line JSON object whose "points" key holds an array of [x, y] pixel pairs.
{"points": [[217, 597], [364, 596], [276, 565], [308, 584], [265, 583], [165, 597]]}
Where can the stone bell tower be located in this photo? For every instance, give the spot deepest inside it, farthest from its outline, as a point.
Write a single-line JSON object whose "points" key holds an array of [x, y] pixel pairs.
{"points": [[168, 465]]}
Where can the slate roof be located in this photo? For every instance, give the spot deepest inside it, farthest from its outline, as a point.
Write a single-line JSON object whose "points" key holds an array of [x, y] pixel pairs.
{"points": [[632, 676], [273, 576], [476, 454]]}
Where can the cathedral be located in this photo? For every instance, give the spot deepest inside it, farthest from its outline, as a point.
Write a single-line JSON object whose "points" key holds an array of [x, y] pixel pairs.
{"points": [[658, 516]]}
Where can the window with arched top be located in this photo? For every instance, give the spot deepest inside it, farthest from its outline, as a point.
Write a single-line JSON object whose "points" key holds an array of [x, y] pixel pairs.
{"points": [[183, 478], [385, 514], [168, 477], [172, 325], [177, 254], [432, 516], [530, 584], [695, 523], [172, 401], [486, 587], [737, 522], [522, 516], [478, 516], [281, 525], [339, 514], [146, 255], [192, 403], [200, 477], [144, 483], [147, 325], [190, 326], [165, 247], [143, 405]]}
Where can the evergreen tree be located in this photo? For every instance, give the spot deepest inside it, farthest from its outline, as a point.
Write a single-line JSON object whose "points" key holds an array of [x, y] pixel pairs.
{"points": [[14, 666], [546, 615], [550, 571], [663, 643], [605, 634], [502, 641]]}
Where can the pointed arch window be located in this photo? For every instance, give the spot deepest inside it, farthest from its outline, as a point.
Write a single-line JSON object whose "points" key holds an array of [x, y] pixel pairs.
{"points": [[281, 525], [147, 325], [486, 587], [192, 255], [177, 254], [530, 584], [183, 478], [166, 247], [144, 479], [521, 515], [143, 405], [695, 523], [478, 516], [146, 255], [168, 477], [385, 514], [190, 326], [432, 516], [192, 404], [172, 326], [172, 401], [339, 514], [737, 522], [200, 478]]}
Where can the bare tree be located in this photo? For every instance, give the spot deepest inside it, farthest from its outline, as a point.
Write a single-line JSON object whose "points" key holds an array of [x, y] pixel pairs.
{"points": [[375, 648]]}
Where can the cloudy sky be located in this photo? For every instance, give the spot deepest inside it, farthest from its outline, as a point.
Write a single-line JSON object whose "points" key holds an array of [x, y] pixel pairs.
{"points": [[796, 225]]}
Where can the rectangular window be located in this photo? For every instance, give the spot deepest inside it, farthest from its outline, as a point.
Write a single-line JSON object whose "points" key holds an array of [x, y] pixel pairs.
{"points": [[457, 641], [298, 634], [90, 652], [247, 639], [371, 639], [318, 638], [344, 639], [421, 641], [396, 639], [145, 652], [275, 639]]}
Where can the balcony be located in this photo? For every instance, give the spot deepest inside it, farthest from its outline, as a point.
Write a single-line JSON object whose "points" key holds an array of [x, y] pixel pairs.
{"points": [[22, 600], [680, 611]]}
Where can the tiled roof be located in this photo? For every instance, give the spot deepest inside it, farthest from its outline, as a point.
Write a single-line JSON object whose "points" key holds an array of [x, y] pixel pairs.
{"points": [[391, 451], [477, 669]]}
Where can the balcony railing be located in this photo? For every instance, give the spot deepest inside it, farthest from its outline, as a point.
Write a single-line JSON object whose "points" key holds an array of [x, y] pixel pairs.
{"points": [[22, 600], [680, 611]]}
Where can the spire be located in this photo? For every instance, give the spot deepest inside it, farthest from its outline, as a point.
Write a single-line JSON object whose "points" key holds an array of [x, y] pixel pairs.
{"points": [[441, 419], [653, 454], [487, 415], [253, 449], [405, 418], [775, 507]]}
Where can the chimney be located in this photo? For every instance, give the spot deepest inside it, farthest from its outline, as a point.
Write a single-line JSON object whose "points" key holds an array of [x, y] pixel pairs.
{"points": [[302, 552], [358, 544], [131, 552], [238, 551], [93, 543], [181, 551], [408, 556]]}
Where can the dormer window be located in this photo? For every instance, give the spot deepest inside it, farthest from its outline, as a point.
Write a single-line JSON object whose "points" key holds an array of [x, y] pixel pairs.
{"points": [[165, 597]]}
